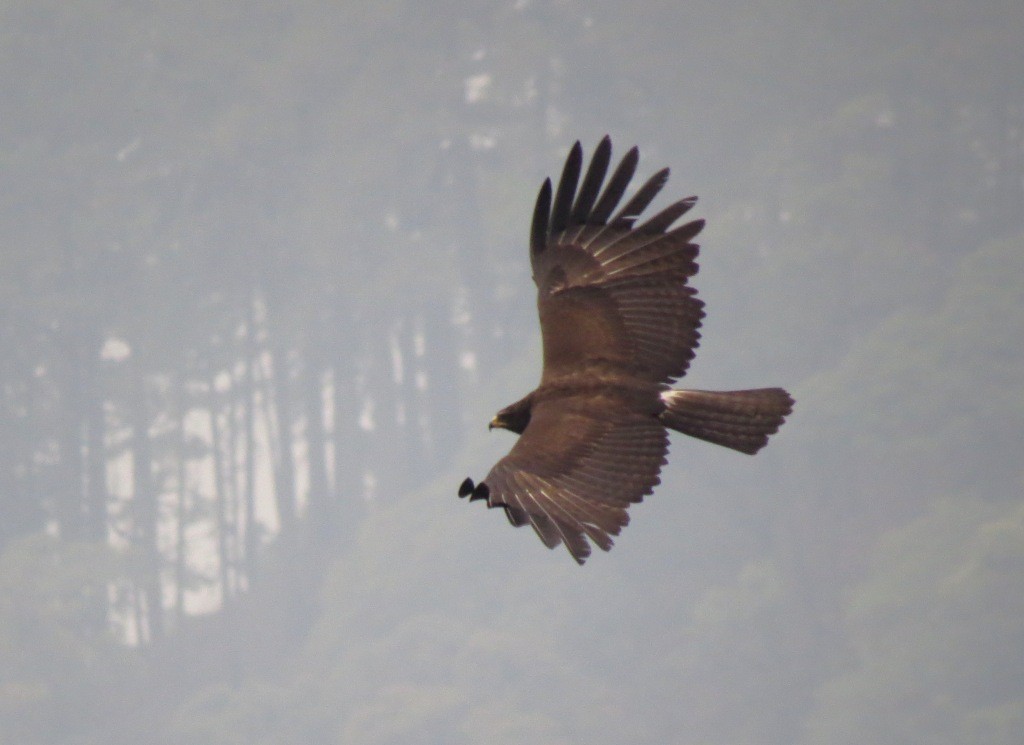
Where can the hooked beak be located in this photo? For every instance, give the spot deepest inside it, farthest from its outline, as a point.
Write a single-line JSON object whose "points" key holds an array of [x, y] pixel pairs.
{"points": [[494, 423]]}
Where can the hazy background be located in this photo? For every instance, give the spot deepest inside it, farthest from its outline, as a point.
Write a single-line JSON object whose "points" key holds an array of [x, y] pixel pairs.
{"points": [[263, 282]]}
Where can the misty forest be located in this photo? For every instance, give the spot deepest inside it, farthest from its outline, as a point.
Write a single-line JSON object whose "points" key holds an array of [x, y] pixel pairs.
{"points": [[264, 281]]}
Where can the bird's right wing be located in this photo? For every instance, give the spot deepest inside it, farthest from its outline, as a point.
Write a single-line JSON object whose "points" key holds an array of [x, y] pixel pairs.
{"points": [[610, 292], [575, 470]]}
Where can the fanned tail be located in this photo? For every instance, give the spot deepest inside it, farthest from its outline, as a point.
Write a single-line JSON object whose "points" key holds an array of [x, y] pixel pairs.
{"points": [[741, 420]]}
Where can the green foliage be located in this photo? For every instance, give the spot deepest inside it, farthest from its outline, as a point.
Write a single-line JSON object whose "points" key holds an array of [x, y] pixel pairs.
{"points": [[933, 634], [57, 659], [221, 715]]}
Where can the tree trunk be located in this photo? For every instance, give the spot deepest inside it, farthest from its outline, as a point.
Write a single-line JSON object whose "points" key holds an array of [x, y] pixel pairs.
{"points": [[284, 466], [222, 493], [320, 510], [247, 526], [147, 516], [97, 497], [69, 487], [183, 507]]}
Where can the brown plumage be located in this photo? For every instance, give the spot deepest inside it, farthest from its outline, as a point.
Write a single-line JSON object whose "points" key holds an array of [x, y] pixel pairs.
{"points": [[619, 324]]}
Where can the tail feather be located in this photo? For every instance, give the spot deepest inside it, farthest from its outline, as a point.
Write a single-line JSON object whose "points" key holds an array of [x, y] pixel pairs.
{"points": [[741, 420]]}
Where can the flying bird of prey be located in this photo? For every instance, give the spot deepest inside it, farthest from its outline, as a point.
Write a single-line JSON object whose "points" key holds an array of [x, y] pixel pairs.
{"points": [[619, 325]]}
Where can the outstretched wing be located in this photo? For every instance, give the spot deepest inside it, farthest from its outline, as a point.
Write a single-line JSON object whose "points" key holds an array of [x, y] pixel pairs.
{"points": [[610, 292], [576, 468]]}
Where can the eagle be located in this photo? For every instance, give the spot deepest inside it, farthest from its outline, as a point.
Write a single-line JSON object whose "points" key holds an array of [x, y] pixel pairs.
{"points": [[619, 324]]}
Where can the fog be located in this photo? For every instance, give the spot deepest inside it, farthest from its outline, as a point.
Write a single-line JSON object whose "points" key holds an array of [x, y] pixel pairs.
{"points": [[264, 281]]}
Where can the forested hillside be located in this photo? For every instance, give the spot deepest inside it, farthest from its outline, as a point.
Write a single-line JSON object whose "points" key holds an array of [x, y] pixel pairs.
{"points": [[264, 281]]}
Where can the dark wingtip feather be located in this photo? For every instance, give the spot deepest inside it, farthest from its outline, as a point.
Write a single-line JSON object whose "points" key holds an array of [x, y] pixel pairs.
{"points": [[664, 219], [516, 515], [615, 188], [481, 491], [689, 230], [567, 189], [635, 206], [541, 214], [591, 187]]}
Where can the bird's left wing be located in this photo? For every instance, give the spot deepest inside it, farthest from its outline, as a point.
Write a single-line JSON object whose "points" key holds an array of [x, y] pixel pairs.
{"points": [[575, 470]]}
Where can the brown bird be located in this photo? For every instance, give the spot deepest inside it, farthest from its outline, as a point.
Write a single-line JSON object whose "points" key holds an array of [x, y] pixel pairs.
{"points": [[619, 324]]}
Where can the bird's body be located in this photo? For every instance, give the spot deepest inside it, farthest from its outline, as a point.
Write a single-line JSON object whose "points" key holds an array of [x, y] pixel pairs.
{"points": [[619, 324]]}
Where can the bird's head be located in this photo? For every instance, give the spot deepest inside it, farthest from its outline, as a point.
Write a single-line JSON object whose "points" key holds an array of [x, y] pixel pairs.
{"points": [[514, 417]]}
